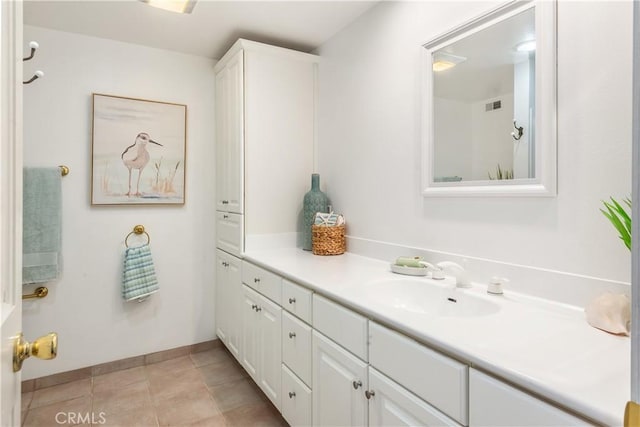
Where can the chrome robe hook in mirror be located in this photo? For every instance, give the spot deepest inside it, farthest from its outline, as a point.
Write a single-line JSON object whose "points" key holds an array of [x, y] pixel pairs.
{"points": [[519, 129]]}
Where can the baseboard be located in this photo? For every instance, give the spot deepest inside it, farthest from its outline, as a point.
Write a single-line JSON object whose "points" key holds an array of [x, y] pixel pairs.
{"points": [[117, 365]]}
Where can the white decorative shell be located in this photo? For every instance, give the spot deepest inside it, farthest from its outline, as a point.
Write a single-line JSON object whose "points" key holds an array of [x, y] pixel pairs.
{"points": [[611, 313]]}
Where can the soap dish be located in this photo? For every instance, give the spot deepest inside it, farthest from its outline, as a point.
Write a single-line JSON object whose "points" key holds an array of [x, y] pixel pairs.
{"points": [[409, 271]]}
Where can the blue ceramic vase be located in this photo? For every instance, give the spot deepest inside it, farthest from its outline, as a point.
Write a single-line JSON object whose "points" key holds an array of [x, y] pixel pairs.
{"points": [[314, 201]]}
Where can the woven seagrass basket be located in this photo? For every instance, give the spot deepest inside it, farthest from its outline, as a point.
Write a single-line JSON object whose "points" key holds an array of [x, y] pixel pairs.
{"points": [[328, 240]]}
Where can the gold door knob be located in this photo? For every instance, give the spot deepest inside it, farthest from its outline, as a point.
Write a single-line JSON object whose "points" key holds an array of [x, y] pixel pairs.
{"points": [[45, 347]]}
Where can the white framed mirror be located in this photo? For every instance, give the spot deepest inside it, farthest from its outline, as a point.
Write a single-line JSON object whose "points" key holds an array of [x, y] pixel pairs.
{"points": [[489, 116]]}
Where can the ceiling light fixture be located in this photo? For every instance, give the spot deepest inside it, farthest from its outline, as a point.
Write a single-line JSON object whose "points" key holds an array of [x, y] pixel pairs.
{"points": [[443, 61], [178, 6], [527, 46]]}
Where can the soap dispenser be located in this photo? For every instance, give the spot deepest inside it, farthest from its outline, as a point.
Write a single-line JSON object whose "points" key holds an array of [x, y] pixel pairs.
{"points": [[495, 285]]}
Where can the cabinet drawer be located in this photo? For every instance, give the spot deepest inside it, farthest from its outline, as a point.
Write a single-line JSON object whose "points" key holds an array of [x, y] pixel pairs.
{"points": [[296, 300], [492, 402], [229, 232], [296, 347], [438, 379], [263, 281], [296, 399], [342, 325]]}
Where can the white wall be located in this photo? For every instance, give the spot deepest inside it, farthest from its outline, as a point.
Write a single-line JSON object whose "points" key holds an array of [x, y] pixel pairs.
{"points": [[491, 142], [370, 107], [454, 135], [85, 307]]}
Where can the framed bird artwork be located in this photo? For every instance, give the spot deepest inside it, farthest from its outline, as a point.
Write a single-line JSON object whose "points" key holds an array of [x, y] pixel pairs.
{"points": [[138, 151]]}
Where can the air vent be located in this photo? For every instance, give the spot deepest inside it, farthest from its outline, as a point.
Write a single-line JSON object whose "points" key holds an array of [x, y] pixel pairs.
{"points": [[495, 105]]}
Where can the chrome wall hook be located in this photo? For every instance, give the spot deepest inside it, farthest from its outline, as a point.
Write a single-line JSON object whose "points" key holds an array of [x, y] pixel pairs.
{"points": [[36, 76], [519, 129], [33, 45]]}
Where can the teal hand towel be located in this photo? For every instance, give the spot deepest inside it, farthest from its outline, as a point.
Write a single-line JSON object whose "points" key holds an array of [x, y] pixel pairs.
{"points": [[42, 224], [139, 275]]}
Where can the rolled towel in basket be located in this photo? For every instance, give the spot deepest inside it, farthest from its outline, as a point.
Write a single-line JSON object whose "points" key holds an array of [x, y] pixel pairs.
{"points": [[139, 275]]}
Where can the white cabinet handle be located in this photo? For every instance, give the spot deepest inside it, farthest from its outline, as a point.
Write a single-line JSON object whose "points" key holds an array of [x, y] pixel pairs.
{"points": [[369, 394], [357, 384], [292, 334]]}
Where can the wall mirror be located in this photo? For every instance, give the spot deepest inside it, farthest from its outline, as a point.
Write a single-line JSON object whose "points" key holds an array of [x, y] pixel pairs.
{"points": [[490, 105]]}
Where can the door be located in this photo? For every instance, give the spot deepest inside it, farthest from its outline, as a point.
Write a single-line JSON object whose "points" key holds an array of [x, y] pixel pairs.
{"points": [[250, 330], [339, 383], [235, 133], [221, 139], [270, 349], [10, 205], [234, 327], [392, 405]]}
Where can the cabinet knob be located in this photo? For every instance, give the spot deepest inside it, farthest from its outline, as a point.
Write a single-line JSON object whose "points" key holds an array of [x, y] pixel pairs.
{"points": [[369, 394], [256, 280], [357, 384], [225, 216], [292, 394], [253, 306], [225, 202], [292, 300], [292, 334], [258, 308]]}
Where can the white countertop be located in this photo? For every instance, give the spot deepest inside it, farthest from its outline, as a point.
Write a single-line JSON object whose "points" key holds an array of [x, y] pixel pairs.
{"points": [[545, 347]]}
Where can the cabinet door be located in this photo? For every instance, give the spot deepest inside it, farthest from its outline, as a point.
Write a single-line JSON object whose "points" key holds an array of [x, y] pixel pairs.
{"points": [[234, 306], [270, 350], [494, 403], [392, 405], [250, 332], [339, 382], [222, 297], [235, 133], [222, 139]]}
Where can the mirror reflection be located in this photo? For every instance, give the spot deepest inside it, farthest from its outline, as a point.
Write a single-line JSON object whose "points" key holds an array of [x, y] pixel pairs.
{"points": [[484, 103]]}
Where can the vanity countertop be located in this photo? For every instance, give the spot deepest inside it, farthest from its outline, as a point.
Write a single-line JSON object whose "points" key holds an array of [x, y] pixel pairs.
{"points": [[542, 346]]}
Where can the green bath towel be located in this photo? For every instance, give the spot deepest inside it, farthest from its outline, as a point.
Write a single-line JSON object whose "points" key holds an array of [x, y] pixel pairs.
{"points": [[41, 225]]}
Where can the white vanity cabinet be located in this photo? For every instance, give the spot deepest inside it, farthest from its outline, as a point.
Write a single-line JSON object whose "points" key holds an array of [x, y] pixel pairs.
{"points": [[261, 352], [339, 382], [495, 403], [228, 299]]}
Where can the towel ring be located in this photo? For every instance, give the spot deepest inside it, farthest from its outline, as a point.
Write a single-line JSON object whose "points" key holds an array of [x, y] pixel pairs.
{"points": [[138, 229]]}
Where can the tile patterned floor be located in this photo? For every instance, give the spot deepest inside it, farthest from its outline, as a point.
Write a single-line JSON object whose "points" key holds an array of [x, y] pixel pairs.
{"points": [[203, 389]]}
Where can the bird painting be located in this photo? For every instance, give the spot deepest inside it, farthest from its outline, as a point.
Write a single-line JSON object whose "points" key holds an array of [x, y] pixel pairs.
{"points": [[136, 156]]}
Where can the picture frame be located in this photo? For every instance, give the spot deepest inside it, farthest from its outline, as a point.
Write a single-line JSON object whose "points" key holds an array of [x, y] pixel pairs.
{"points": [[138, 154]]}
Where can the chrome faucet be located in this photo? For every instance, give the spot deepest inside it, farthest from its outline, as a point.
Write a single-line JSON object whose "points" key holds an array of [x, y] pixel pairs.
{"points": [[462, 278]]}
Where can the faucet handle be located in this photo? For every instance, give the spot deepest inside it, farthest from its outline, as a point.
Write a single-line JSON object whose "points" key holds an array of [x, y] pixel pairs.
{"points": [[495, 285]]}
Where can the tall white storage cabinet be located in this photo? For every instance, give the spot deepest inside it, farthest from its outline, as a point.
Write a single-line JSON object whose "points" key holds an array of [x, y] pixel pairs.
{"points": [[265, 142], [265, 138]]}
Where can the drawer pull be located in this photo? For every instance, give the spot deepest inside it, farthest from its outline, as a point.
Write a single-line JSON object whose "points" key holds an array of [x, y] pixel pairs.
{"points": [[292, 300], [253, 306], [256, 280], [225, 202], [225, 216], [357, 384], [292, 334], [258, 308], [292, 394], [369, 394]]}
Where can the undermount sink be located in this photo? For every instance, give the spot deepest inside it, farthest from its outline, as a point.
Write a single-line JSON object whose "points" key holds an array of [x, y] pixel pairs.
{"points": [[426, 297]]}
